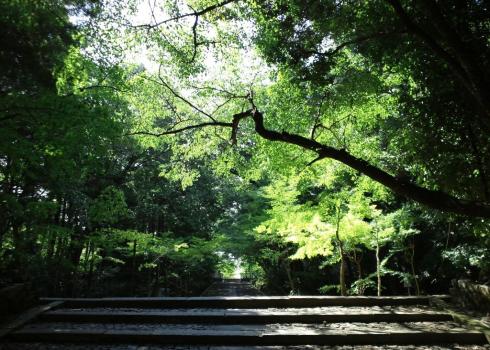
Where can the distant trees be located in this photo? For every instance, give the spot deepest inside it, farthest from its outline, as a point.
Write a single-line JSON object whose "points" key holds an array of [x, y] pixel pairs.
{"points": [[350, 236], [84, 208]]}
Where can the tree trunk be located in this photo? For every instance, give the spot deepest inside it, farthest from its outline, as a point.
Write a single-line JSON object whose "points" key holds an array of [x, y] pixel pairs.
{"points": [[287, 267], [155, 283], [357, 261], [58, 263], [357, 258], [343, 288], [90, 274], [412, 266], [86, 257], [378, 267], [165, 278], [50, 247], [74, 255], [480, 162], [18, 251], [133, 270]]}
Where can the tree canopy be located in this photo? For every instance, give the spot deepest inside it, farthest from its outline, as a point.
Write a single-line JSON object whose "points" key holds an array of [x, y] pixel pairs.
{"points": [[326, 143]]}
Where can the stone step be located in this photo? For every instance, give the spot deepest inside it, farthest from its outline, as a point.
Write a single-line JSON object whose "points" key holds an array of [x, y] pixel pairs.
{"points": [[231, 288], [85, 346], [247, 316], [245, 302], [272, 334]]}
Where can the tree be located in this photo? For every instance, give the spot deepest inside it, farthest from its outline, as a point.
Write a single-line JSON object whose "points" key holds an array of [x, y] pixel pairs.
{"points": [[80, 200], [323, 57], [246, 128], [382, 232]]}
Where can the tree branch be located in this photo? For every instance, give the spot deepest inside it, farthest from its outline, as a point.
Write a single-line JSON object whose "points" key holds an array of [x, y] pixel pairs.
{"points": [[177, 131], [434, 199], [190, 14], [236, 120], [183, 99], [195, 14], [317, 159]]}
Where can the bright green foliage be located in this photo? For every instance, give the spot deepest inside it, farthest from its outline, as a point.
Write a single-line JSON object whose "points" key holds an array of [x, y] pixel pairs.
{"points": [[109, 207], [122, 170]]}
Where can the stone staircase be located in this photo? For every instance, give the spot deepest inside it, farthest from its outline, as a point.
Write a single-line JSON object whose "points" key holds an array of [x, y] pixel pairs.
{"points": [[265, 322]]}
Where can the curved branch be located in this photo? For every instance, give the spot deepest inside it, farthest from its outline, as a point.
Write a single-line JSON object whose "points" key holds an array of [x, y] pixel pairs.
{"points": [[194, 39], [433, 199], [236, 120]]}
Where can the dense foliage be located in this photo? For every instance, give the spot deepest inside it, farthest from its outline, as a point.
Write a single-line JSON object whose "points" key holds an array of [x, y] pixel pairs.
{"points": [[334, 147]]}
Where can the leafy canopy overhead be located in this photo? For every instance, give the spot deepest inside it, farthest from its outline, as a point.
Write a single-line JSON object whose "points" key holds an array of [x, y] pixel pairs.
{"points": [[147, 142], [391, 89]]}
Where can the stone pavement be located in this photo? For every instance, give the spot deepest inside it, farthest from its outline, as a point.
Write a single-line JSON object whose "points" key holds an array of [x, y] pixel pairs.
{"points": [[231, 288], [244, 320]]}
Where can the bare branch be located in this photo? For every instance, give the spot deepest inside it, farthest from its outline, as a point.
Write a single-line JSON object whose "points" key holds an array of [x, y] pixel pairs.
{"points": [[195, 14], [223, 91], [177, 131], [334, 134], [194, 38], [183, 99], [315, 160], [222, 105], [236, 120], [152, 10], [177, 123], [190, 14], [234, 125], [316, 123]]}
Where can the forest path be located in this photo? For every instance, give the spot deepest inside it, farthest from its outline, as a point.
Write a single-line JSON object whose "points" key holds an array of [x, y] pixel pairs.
{"points": [[231, 288], [245, 323]]}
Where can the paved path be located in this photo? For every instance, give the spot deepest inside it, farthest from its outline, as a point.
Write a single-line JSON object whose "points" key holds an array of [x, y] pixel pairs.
{"points": [[231, 288], [234, 316], [73, 346]]}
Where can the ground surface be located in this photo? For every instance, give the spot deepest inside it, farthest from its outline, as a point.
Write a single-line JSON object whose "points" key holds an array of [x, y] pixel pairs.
{"points": [[231, 288], [41, 346], [96, 321]]}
